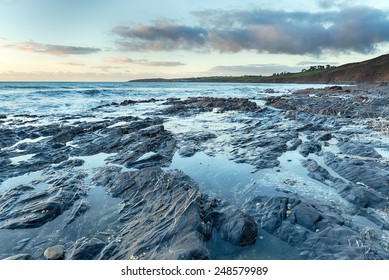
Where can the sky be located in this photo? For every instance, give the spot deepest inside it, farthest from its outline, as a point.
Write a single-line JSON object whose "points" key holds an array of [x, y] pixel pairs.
{"points": [[120, 40]]}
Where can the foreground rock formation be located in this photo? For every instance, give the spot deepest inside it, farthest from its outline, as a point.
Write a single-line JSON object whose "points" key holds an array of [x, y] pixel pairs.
{"points": [[104, 189]]}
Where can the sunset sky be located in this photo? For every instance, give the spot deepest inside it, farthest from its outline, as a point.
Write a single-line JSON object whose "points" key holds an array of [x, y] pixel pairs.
{"points": [[119, 40]]}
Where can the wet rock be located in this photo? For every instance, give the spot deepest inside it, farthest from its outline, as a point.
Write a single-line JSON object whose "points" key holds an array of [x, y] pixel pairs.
{"points": [[127, 102], [55, 252], [39, 208], [208, 104], [21, 244], [316, 171], [340, 103], [370, 173], [324, 136], [236, 227], [161, 215], [364, 197], [265, 163], [149, 151], [187, 151], [8, 137], [85, 249], [306, 216], [69, 164], [293, 144], [68, 134], [79, 208], [307, 148], [359, 149], [312, 228], [166, 217], [151, 131]]}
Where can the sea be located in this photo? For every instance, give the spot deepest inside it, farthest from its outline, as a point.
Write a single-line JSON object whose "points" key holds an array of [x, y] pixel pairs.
{"points": [[59, 98]]}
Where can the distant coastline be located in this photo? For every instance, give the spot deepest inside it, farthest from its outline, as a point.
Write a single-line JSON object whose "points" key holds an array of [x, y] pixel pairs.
{"points": [[375, 70]]}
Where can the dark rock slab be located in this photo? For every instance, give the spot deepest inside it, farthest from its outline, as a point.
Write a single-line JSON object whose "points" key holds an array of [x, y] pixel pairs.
{"points": [[236, 227], [314, 229], [206, 104], [187, 151], [307, 216], [41, 207], [369, 173], [166, 217], [307, 148], [364, 197], [161, 215], [359, 149]]}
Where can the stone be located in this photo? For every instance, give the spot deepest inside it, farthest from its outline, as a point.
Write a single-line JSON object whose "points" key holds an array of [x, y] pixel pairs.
{"points": [[324, 136], [306, 216], [307, 148], [152, 130], [55, 252], [187, 151]]}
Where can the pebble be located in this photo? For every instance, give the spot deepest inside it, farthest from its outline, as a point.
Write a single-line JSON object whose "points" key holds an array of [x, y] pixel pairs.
{"points": [[289, 206], [54, 253]]}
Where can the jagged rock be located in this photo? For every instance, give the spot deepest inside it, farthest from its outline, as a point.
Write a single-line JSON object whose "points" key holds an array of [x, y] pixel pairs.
{"points": [[309, 147], [151, 131], [161, 215], [207, 104], [306, 216], [312, 228], [324, 136], [187, 151], [364, 197], [371, 174], [359, 149], [236, 227], [166, 217], [68, 134], [293, 144], [39, 208], [85, 249]]}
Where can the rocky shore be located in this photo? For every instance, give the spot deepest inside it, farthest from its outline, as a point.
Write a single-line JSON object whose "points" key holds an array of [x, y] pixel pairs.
{"points": [[86, 187]]}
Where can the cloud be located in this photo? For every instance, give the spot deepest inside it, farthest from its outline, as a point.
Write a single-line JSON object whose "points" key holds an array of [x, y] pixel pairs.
{"points": [[315, 62], [357, 29], [145, 62], [72, 64], [161, 36], [58, 50], [163, 63], [118, 60]]}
